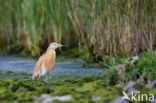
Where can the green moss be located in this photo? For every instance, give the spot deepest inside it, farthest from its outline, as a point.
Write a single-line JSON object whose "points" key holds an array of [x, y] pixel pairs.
{"points": [[86, 91], [104, 94], [7, 95]]}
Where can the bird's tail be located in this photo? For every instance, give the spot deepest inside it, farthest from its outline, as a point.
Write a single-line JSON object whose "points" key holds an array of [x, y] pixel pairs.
{"points": [[36, 70], [34, 75]]}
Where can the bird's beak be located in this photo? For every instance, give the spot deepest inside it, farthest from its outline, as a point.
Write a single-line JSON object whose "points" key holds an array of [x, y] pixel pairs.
{"points": [[60, 45]]}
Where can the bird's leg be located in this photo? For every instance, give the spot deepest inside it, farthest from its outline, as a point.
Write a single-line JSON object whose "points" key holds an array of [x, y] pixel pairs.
{"points": [[47, 78], [39, 79]]}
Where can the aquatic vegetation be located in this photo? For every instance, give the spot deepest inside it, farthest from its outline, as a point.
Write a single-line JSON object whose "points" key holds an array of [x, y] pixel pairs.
{"points": [[29, 91], [89, 29], [144, 68]]}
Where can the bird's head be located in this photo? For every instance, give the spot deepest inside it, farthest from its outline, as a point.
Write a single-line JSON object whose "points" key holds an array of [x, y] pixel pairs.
{"points": [[55, 45]]}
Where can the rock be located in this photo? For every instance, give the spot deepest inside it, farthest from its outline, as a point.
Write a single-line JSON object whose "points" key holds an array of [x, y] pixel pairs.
{"points": [[132, 90], [45, 98], [151, 85], [143, 81], [13, 87], [95, 99], [154, 101], [15, 102], [120, 100], [130, 87]]}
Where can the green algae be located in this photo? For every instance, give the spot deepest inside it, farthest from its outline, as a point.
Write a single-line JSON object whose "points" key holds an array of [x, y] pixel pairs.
{"points": [[82, 90]]}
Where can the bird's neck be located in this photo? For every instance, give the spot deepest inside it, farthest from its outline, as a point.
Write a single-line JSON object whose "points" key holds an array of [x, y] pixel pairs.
{"points": [[50, 51]]}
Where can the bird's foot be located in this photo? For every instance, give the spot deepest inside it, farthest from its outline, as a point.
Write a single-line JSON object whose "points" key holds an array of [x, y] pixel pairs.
{"points": [[46, 79]]}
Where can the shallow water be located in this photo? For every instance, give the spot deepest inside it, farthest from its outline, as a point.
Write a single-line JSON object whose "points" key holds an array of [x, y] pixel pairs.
{"points": [[68, 68]]}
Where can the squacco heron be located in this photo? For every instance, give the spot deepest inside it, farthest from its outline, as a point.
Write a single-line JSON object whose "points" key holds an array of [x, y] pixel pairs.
{"points": [[46, 62]]}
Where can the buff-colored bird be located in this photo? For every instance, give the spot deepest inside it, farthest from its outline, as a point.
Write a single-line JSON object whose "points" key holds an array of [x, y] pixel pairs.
{"points": [[46, 62]]}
